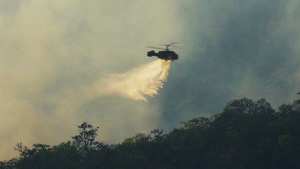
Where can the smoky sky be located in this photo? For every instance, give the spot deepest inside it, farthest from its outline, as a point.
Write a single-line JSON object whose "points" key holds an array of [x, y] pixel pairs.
{"points": [[233, 49], [51, 51]]}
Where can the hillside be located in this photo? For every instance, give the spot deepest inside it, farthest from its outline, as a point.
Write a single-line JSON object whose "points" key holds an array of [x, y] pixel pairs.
{"points": [[246, 134]]}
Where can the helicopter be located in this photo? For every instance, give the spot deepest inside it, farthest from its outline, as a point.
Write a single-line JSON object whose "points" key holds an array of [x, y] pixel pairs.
{"points": [[166, 54]]}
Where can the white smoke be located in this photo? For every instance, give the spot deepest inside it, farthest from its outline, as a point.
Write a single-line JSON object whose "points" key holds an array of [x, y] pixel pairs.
{"points": [[72, 43], [136, 83]]}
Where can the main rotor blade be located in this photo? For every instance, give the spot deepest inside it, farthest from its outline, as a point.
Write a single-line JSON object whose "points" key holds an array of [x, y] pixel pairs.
{"points": [[154, 47], [173, 43], [170, 44], [175, 47]]}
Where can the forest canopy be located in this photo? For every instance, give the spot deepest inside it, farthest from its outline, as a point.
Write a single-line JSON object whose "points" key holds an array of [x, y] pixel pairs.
{"points": [[246, 134]]}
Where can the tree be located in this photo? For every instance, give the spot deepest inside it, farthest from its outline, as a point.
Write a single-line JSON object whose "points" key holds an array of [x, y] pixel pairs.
{"points": [[248, 106], [197, 121], [35, 157], [21, 149], [157, 136], [243, 105], [8, 164], [263, 106], [85, 140], [65, 155], [141, 138]]}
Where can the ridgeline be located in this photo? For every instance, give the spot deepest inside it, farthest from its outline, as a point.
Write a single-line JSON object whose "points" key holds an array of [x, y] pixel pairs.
{"points": [[247, 134]]}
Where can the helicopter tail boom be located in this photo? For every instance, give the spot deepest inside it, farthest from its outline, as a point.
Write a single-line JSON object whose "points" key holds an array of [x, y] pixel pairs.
{"points": [[151, 53]]}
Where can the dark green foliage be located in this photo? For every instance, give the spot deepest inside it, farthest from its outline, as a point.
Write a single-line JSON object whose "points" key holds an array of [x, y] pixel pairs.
{"points": [[247, 134], [196, 122]]}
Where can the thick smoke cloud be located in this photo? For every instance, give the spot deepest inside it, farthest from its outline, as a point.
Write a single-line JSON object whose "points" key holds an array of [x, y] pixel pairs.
{"points": [[233, 49], [51, 51]]}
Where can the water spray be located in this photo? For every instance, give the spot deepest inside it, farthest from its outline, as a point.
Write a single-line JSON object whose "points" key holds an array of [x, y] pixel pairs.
{"points": [[136, 83]]}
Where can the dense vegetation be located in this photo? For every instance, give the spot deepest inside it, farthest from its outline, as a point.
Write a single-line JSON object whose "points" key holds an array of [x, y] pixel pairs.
{"points": [[247, 134]]}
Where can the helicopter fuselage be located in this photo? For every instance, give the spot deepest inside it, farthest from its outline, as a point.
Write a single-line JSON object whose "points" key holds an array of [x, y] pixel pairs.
{"points": [[167, 55]]}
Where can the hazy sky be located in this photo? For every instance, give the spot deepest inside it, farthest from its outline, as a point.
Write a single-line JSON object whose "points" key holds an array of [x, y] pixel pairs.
{"points": [[53, 51], [233, 49]]}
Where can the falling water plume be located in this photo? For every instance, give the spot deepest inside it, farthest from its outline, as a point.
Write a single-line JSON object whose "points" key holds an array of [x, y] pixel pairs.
{"points": [[136, 83]]}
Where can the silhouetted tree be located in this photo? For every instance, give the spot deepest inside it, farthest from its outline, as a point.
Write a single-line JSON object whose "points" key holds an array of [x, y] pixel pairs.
{"points": [[85, 140], [197, 121], [243, 105]]}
